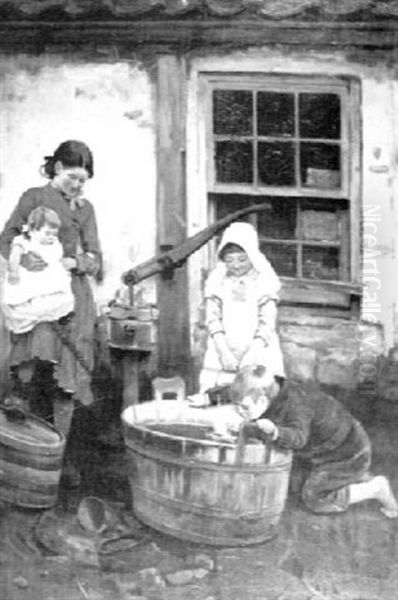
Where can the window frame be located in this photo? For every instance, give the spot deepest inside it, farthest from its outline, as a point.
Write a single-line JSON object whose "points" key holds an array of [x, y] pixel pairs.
{"points": [[348, 88]]}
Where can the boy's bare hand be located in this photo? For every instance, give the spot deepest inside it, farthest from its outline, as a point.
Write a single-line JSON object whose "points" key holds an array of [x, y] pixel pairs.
{"points": [[33, 261], [267, 426]]}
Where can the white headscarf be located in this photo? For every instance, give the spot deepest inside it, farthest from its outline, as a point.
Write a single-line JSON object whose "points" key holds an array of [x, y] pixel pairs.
{"points": [[245, 236]]}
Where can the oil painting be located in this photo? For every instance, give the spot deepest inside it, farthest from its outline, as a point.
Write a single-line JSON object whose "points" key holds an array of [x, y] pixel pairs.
{"points": [[198, 299]]}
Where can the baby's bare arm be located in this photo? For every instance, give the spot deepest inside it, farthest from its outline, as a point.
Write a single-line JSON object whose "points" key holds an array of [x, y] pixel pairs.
{"points": [[14, 262]]}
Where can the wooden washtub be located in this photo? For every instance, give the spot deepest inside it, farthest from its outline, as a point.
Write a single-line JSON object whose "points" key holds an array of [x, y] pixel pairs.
{"points": [[189, 486]]}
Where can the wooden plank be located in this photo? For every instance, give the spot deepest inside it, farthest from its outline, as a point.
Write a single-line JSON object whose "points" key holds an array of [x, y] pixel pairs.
{"points": [[313, 284], [130, 366], [288, 313], [321, 293], [173, 325], [320, 297], [187, 34]]}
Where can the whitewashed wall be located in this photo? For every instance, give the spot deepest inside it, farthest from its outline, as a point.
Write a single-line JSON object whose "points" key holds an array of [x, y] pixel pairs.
{"points": [[46, 100]]}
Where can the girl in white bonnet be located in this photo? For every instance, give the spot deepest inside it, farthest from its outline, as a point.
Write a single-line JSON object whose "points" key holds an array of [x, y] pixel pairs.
{"points": [[241, 294]]}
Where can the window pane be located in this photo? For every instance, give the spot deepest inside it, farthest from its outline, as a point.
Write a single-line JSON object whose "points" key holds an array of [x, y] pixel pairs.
{"points": [[319, 116], [320, 225], [320, 165], [320, 263], [276, 163], [225, 204], [234, 162], [280, 221], [282, 257], [232, 112], [275, 114]]}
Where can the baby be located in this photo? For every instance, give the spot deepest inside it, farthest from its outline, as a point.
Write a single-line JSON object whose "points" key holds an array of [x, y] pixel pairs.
{"points": [[31, 297], [301, 417]]}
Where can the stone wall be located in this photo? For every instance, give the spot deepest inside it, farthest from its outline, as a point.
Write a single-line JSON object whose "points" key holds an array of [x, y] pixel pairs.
{"points": [[332, 350]]}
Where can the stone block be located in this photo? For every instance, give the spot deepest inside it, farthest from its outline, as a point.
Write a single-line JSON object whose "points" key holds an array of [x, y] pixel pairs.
{"points": [[201, 560], [387, 380], [82, 550], [370, 337], [390, 393], [300, 361], [340, 334], [338, 368], [304, 316], [200, 573], [170, 564], [180, 577], [127, 581], [21, 582], [151, 578]]}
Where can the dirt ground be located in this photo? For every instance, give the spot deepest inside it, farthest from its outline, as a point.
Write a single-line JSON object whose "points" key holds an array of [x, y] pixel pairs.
{"points": [[48, 555]]}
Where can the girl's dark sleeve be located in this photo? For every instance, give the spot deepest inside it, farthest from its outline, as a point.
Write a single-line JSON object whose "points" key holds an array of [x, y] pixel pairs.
{"points": [[295, 427], [293, 423], [15, 222]]}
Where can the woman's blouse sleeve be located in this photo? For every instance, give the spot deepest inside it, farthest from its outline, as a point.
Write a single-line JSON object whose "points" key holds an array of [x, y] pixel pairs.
{"points": [[15, 222], [89, 233], [90, 260]]}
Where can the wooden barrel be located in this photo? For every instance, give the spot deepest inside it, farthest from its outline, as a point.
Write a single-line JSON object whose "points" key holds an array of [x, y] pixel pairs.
{"points": [[194, 489], [30, 462]]}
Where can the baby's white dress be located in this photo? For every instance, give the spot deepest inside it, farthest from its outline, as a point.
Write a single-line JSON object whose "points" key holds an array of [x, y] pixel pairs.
{"points": [[39, 295]]}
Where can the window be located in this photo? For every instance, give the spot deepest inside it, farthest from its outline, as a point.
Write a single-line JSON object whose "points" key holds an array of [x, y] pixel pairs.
{"points": [[289, 142]]}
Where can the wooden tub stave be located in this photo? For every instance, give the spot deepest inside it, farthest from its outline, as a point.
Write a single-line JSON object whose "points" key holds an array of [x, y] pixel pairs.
{"points": [[30, 462]]}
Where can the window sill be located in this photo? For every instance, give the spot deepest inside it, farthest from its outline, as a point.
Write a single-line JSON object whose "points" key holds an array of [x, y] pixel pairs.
{"points": [[319, 293]]}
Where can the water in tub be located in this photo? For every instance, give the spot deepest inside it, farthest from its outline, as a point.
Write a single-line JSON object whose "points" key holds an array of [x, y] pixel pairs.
{"points": [[214, 426], [221, 423]]}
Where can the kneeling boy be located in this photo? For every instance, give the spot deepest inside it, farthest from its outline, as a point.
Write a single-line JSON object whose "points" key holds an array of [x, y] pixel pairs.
{"points": [[317, 426]]}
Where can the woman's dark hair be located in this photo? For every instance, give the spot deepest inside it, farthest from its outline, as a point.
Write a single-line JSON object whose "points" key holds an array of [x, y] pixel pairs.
{"points": [[71, 153]]}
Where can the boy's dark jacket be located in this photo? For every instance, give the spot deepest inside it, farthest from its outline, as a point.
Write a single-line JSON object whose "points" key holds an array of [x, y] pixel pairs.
{"points": [[311, 422]]}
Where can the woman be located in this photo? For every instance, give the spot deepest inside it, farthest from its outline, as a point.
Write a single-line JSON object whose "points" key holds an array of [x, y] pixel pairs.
{"points": [[58, 358]]}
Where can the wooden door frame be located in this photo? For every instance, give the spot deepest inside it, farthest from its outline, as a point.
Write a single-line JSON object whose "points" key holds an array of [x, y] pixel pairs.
{"points": [[172, 292]]}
